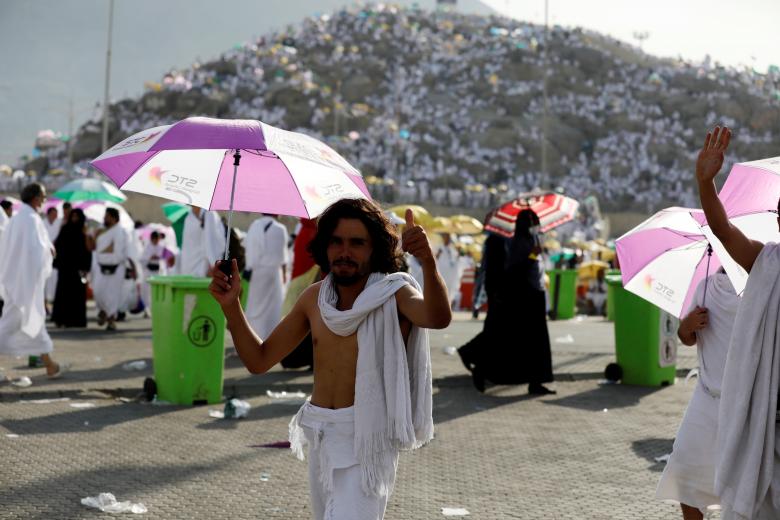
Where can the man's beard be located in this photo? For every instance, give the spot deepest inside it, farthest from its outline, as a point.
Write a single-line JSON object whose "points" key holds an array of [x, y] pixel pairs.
{"points": [[346, 281]]}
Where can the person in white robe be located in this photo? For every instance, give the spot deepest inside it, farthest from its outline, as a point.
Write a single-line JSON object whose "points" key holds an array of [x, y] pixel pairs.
{"points": [[26, 255], [132, 288], [266, 258], [747, 474], [203, 242], [154, 260], [108, 269], [447, 262], [689, 476], [52, 223]]}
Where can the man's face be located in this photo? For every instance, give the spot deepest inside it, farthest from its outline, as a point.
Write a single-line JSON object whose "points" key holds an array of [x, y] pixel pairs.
{"points": [[108, 220], [51, 215], [349, 252], [155, 240]]}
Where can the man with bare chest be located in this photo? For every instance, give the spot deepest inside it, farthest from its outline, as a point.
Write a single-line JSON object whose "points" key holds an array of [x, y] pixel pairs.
{"points": [[372, 372]]}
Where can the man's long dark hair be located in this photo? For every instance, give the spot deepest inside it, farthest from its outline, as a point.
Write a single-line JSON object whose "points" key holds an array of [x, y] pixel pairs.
{"points": [[386, 255]]}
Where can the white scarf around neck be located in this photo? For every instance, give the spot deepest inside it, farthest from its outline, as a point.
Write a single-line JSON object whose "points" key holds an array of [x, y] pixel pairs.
{"points": [[393, 381]]}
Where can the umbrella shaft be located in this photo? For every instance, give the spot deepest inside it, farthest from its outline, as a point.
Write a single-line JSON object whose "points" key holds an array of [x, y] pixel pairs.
{"points": [[237, 159]]}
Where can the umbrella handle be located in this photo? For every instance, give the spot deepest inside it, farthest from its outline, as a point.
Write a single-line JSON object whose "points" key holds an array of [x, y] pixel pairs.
{"points": [[706, 275], [226, 265]]}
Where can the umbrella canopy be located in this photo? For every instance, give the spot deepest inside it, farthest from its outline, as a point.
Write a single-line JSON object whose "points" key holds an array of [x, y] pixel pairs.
{"points": [[553, 209], [664, 258], [590, 270], [244, 165], [94, 210], [169, 240], [174, 211], [466, 225], [421, 215], [750, 197], [89, 189]]}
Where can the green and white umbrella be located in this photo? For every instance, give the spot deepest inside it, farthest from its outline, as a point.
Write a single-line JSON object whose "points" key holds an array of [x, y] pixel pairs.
{"points": [[89, 189]]}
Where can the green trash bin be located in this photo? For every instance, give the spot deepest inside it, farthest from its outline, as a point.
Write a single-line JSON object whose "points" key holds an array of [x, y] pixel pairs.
{"points": [[645, 341], [614, 282], [188, 340], [563, 293]]}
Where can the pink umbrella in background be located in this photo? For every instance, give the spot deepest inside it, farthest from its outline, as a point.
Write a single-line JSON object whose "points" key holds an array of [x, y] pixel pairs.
{"points": [[553, 210], [196, 161], [168, 240]]}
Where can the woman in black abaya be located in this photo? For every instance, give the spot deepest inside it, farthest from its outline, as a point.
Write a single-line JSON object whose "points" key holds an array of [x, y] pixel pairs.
{"points": [[514, 345], [73, 261]]}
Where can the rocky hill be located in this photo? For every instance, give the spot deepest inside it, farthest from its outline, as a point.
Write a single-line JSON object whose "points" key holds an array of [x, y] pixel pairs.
{"points": [[434, 99]]}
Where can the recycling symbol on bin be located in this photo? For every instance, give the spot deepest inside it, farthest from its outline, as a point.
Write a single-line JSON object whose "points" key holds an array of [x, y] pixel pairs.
{"points": [[202, 331]]}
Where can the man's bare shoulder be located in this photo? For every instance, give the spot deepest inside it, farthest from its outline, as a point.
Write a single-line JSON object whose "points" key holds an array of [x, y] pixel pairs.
{"points": [[406, 292], [310, 295]]}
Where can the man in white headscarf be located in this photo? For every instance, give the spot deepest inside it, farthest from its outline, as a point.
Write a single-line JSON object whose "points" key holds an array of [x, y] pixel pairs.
{"points": [[747, 475], [52, 223], [154, 260], [108, 268], [689, 476], [372, 372], [266, 258], [203, 242], [26, 255]]}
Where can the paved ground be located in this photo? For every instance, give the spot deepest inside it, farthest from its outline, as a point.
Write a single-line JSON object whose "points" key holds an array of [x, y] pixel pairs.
{"points": [[587, 452]]}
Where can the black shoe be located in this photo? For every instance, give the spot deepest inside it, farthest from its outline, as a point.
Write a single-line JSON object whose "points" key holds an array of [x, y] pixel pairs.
{"points": [[478, 379], [466, 362], [539, 389]]}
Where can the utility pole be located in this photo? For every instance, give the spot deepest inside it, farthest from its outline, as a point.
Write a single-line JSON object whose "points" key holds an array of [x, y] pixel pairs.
{"points": [[336, 102], [108, 75], [543, 180], [71, 118], [641, 36]]}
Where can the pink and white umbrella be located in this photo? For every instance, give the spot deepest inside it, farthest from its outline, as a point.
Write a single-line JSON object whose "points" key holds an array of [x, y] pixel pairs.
{"points": [[664, 258], [196, 161], [750, 196]]}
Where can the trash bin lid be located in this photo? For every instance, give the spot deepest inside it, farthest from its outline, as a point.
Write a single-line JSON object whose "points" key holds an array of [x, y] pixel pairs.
{"points": [[181, 281]]}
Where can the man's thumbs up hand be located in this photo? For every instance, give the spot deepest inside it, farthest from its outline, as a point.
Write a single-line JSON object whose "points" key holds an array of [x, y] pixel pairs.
{"points": [[409, 218], [414, 240]]}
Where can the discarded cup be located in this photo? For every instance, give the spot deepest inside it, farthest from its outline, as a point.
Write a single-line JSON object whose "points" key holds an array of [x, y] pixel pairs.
{"points": [[82, 405], [108, 503], [663, 458], [217, 414], [239, 409], [131, 366], [22, 382], [454, 511], [450, 351]]}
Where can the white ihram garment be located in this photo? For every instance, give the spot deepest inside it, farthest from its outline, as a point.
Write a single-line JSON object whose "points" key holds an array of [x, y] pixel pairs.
{"points": [[203, 243], [108, 288], [266, 253], [747, 478], [448, 266], [393, 392], [689, 476], [25, 263]]}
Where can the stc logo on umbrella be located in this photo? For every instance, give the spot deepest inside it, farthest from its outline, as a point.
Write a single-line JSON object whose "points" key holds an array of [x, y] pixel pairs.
{"points": [[652, 284], [165, 179]]}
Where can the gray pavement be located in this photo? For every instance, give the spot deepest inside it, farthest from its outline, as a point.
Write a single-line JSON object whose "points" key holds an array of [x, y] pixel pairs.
{"points": [[587, 452]]}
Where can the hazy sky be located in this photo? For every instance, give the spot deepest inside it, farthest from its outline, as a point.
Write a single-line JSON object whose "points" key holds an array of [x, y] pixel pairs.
{"points": [[732, 32]]}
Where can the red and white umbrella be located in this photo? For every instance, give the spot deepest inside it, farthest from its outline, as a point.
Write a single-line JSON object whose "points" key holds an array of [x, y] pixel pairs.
{"points": [[552, 209]]}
